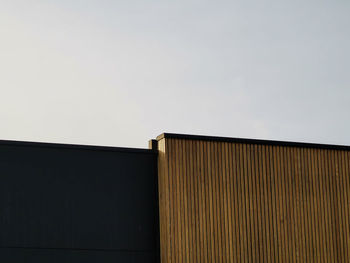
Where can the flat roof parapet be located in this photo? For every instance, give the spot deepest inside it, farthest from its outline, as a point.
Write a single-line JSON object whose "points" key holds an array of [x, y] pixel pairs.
{"points": [[252, 141]]}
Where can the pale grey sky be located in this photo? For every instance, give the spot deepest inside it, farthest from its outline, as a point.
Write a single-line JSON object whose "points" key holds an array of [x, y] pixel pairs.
{"points": [[121, 72]]}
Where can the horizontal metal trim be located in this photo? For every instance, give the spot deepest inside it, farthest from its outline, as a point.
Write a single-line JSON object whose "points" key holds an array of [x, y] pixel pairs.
{"points": [[75, 147], [81, 249], [252, 141]]}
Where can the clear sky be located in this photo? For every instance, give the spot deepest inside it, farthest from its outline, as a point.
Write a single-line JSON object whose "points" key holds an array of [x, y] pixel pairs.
{"points": [[118, 73]]}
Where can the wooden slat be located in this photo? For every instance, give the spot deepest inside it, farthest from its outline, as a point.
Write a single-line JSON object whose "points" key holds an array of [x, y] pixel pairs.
{"points": [[345, 201], [237, 202], [236, 207], [347, 198]]}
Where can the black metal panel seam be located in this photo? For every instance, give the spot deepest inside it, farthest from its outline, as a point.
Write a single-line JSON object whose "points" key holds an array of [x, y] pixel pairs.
{"points": [[80, 249]]}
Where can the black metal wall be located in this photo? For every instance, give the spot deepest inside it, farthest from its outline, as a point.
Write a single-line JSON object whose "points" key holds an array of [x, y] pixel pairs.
{"points": [[64, 203]]}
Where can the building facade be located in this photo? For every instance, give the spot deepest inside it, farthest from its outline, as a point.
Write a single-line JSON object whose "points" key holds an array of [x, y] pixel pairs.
{"points": [[236, 200], [186, 199]]}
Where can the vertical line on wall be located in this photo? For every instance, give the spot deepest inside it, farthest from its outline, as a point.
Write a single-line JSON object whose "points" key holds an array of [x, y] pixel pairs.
{"points": [[304, 216], [247, 247], [272, 195], [230, 202], [344, 202], [217, 202], [241, 196], [339, 198], [211, 201], [297, 227], [261, 200], [330, 204], [235, 210], [347, 200], [316, 213], [249, 196], [207, 203], [255, 209], [267, 205], [259, 204], [190, 257], [219, 215], [199, 178], [326, 205], [204, 200], [289, 213], [185, 192], [193, 201], [278, 199], [173, 189], [282, 208]]}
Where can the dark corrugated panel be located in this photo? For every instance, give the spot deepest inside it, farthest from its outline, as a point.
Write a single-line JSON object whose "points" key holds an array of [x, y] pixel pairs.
{"points": [[77, 204]]}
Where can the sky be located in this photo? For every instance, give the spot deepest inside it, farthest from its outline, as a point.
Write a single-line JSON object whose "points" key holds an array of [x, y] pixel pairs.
{"points": [[118, 73]]}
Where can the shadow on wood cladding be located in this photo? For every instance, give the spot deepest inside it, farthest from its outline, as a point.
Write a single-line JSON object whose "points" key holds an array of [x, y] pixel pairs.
{"points": [[235, 200]]}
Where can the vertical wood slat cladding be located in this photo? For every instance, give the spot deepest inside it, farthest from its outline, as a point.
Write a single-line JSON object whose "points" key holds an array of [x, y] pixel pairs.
{"points": [[241, 202]]}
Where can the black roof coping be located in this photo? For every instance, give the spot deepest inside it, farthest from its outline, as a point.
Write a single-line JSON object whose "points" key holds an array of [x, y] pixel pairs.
{"points": [[74, 146], [252, 141]]}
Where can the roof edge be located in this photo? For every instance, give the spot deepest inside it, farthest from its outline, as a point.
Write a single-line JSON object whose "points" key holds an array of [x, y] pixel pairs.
{"points": [[74, 146], [252, 141]]}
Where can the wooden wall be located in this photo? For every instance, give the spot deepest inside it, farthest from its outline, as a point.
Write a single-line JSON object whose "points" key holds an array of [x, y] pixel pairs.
{"points": [[242, 202]]}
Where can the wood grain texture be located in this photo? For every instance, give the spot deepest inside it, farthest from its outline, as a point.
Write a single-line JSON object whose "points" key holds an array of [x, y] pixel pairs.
{"points": [[241, 202]]}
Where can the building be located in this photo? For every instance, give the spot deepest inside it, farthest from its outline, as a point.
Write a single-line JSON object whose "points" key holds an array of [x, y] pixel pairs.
{"points": [[187, 199]]}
